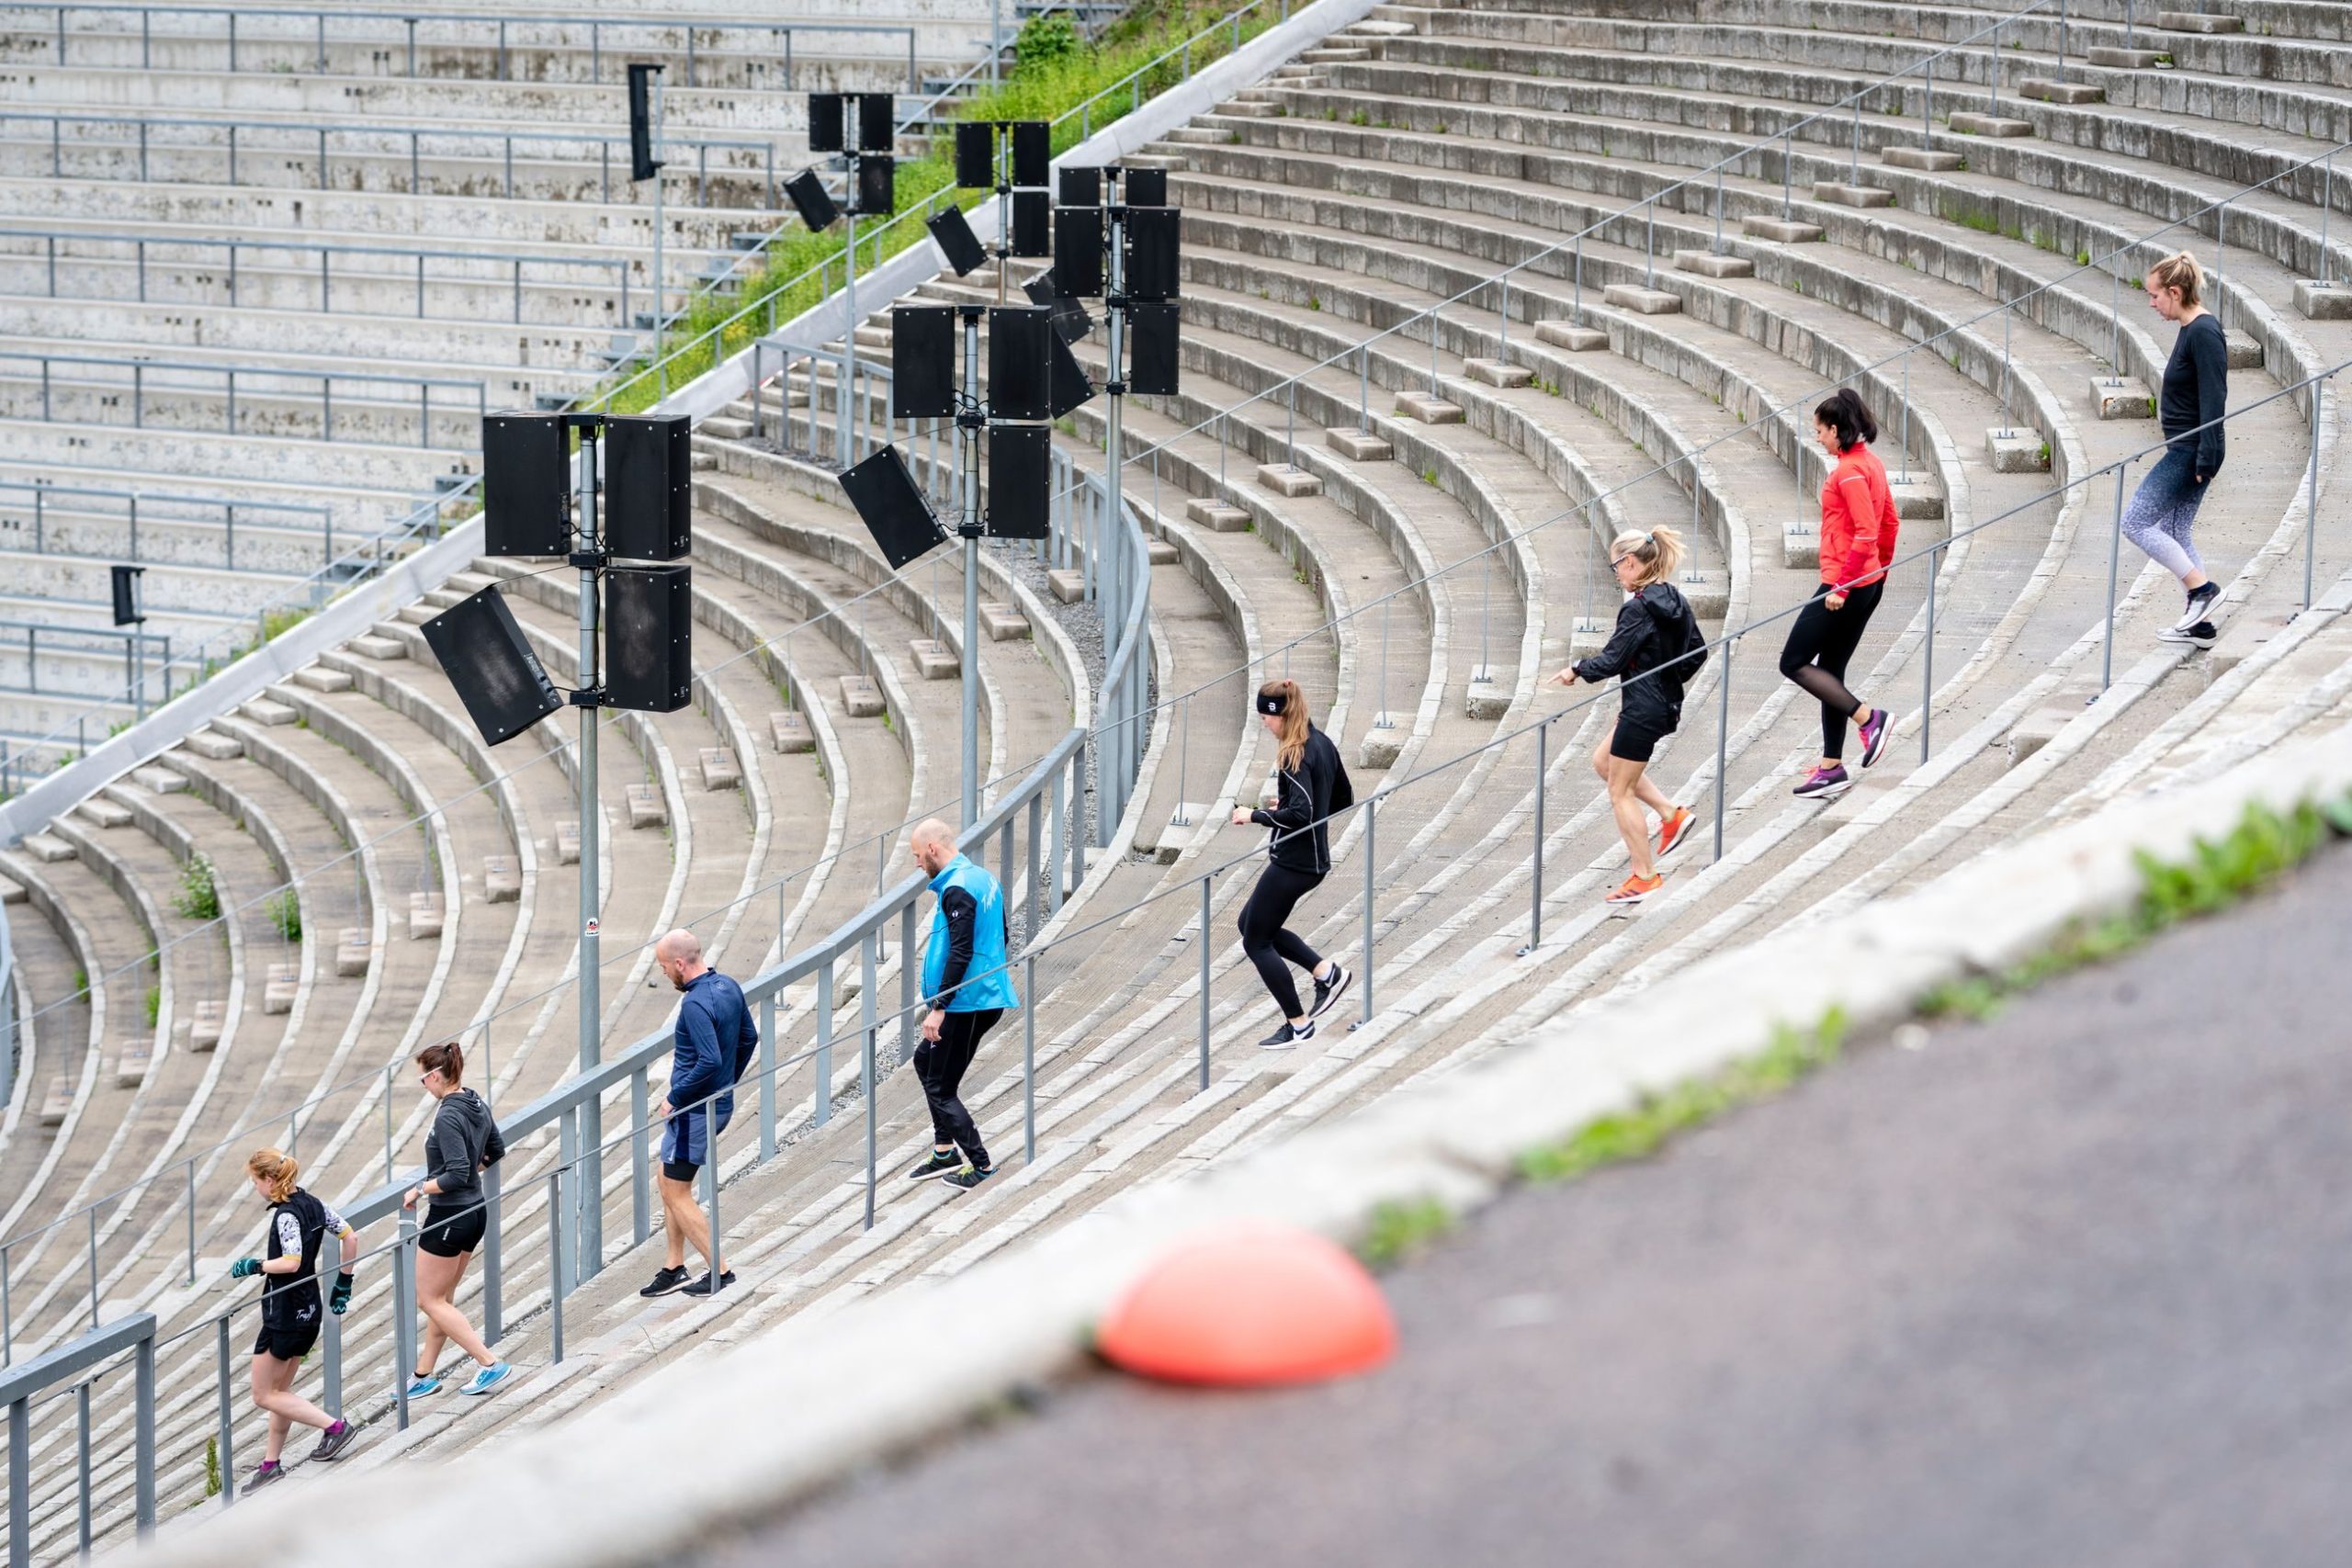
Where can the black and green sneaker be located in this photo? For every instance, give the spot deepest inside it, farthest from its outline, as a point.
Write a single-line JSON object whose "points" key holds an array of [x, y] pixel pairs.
{"points": [[971, 1176], [939, 1164]]}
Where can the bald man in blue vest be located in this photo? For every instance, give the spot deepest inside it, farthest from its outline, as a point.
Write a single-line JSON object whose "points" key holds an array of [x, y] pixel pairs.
{"points": [[968, 983]]}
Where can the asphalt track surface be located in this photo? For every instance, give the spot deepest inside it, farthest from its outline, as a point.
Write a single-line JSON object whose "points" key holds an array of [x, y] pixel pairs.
{"points": [[2073, 1286]]}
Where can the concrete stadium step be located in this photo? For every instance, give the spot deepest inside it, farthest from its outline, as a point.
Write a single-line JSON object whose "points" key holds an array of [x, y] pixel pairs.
{"points": [[67, 1027], [357, 509]]}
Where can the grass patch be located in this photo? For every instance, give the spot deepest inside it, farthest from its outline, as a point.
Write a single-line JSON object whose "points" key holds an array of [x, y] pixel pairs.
{"points": [[285, 911], [2215, 875], [154, 1004], [1398, 1229]]}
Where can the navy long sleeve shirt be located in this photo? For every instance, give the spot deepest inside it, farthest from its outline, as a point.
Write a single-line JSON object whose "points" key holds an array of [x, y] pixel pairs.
{"points": [[2195, 391]]}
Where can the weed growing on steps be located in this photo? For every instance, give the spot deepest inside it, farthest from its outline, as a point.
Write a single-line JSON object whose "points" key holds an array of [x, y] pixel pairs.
{"points": [[212, 1467], [1399, 1228], [284, 912], [198, 898], [2214, 876], [81, 984], [154, 1004]]}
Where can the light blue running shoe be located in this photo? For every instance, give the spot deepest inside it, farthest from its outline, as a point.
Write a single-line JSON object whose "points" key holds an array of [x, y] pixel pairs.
{"points": [[419, 1387], [489, 1377]]}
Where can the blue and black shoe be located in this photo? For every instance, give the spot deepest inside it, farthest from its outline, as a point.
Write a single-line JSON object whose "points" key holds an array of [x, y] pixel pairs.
{"points": [[971, 1176]]}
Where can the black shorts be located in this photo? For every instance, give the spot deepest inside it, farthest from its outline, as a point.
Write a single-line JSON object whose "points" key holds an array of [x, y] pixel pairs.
{"points": [[287, 1342], [447, 1233], [1637, 735]]}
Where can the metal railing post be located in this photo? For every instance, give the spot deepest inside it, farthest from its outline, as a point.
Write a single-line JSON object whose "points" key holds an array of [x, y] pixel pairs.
{"points": [[767, 1071], [1927, 661], [865, 1087], [1723, 733], [2114, 554], [404, 1309], [494, 1271], [556, 1227], [1535, 891], [1371, 841], [224, 1430], [639, 1158], [1204, 983], [710, 1181], [142, 1397]]}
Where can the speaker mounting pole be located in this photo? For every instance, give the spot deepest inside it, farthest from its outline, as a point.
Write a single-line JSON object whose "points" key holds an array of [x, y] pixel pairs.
{"points": [[1114, 302], [969, 422], [589, 558]]}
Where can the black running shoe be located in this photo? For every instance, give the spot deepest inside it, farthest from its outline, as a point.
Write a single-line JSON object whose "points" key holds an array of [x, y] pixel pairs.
{"points": [[1289, 1035], [2200, 601], [268, 1475], [334, 1439], [664, 1281], [703, 1287], [971, 1176], [1328, 991], [937, 1165], [2204, 634]]}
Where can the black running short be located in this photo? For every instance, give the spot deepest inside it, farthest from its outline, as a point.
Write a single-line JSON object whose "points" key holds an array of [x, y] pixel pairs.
{"points": [[1635, 741], [288, 1342], [448, 1232]]}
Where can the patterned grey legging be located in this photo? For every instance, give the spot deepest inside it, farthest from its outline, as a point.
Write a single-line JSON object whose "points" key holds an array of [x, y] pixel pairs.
{"points": [[2162, 511]]}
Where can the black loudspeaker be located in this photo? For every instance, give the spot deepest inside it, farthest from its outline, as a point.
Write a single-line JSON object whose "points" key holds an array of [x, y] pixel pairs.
{"points": [[524, 485], [955, 239], [1147, 188], [825, 122], [1152, 338], [1068, 380], [876, 129], [648, 638], [892, 508], [480, 649], [1152, 271], [1018, 479], [1032, 223], [810, 200], [126, 594], [641, 165], [974, 154], [1070, 319], [878, 184], [1019, 368], [1033, 154], [1083, 187], [1078, 252], [649, 486], [922, 361]]}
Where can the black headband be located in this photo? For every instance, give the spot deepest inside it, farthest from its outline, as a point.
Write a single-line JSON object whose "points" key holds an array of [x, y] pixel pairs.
{"points": [[1272, 704]]}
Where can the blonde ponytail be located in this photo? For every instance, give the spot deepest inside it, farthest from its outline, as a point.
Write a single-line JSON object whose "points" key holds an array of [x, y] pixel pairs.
{"points": [[2180, 271], [1659, 551], [276, 1170]]}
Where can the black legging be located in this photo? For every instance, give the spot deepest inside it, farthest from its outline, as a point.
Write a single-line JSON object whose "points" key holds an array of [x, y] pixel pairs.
{"points": [[940, 1065], [1268, 942], [1820, 644]]}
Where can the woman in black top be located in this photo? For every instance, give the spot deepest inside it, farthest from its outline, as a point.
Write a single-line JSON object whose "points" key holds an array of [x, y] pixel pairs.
{"points": [[2189, 407], [462, 1143], [299, 1226], [1312, 785], [1657, 648]]}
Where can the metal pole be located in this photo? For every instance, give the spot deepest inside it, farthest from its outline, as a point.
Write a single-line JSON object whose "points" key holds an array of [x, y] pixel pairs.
{"points": [[404, 1305], [1204, 983], [710, 1184], [81, 1464], [591, 1188], [2114, 552], [2310, 497], [1535, 894], [555, 1270], [191, 1219], [844, 387], [1028, 1058], [1928, 660], [1723, 732], [1370, 833], [968, 463], [865, 1087], [224, 1428]]}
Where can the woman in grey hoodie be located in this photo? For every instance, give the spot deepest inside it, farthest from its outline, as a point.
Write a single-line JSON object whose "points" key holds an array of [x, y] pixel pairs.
{"points": [[462, 1144]]}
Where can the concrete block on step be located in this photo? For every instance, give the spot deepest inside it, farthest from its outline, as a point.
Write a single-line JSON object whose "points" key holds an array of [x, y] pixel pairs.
{"points": [[1997, 126], [2245, 638], [1381, 747], [267, 713], [1917, 497], [131, 1065], [1487, 696], [1002, 622], [1288, 481], [790, 732], [57, 1102], [1161, 552], [646, 807], [1781, 231], [12, 892], [49, 848], [278, 987], [1800, 544], [1643, 302], [352, 951], [720, 768], [2331, 302], [1428, 407], [2206, 22], [1713, 264], [104, 813], [935, 662], [1587, 634], [319, 678], [1359, 445], [2048, 90], [2245, 351], [1217, 516], [1186, 823], [861, 698], [567, 841], [2119, 59], [1573, 338], [1932, 160], [157, 780], [2038, 728], [205, 1024], [1499, 372], [425, 916], [703, 462], [1839, 194], [2017, 450], [1067, 583], [501, 879], [369, 646], [2120, 397], [1709, 594]]}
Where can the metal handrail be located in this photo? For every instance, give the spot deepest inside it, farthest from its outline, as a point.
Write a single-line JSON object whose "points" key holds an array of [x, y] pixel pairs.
{"points": [[172, 502]]}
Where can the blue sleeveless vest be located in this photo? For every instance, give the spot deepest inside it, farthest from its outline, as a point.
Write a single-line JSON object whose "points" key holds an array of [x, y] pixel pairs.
{"points": [[990, 982]]}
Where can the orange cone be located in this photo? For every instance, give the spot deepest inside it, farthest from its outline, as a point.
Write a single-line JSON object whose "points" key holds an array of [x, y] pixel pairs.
{"points": [[1251, 1306]]}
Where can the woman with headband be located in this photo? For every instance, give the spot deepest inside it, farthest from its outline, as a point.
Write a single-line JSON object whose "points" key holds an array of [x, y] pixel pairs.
{"points": [[1311, 785]]}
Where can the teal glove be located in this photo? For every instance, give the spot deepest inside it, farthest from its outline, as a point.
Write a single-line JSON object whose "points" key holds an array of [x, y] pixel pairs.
{"points": [[244, 1268], [340, 1297]]}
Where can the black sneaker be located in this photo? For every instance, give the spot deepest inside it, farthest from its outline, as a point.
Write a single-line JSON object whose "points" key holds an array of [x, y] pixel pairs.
{"points": [[937, 1165], [268, 1475], [971, 1176], [334, 1439], [664, 1281], [1289, 1035], [2200, 600], [1328, 991], [703, 1287], [2204, 634]]}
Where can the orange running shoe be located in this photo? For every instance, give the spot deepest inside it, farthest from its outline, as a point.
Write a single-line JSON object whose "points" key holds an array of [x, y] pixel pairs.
{"points": [[1633, 889], [1674, 831]]}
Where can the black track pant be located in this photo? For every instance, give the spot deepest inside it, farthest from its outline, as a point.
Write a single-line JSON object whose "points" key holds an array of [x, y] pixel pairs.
{"points": [[1821, 643], [940, 1065], [1269, 942]]}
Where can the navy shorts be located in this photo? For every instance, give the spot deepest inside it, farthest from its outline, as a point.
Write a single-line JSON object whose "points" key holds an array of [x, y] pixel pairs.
{"points": [[686, 1142]]}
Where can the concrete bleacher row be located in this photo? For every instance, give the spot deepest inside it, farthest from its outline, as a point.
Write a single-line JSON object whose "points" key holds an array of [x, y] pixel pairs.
{"points": [[1405, 162]]}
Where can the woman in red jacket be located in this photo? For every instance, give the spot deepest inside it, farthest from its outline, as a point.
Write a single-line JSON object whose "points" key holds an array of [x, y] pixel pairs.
{"points": [[1858, 531]]}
